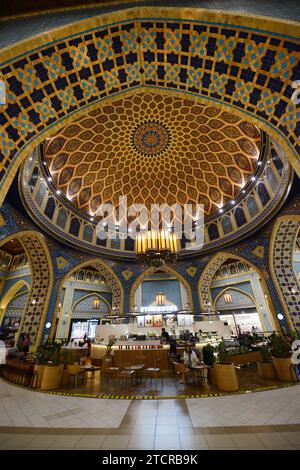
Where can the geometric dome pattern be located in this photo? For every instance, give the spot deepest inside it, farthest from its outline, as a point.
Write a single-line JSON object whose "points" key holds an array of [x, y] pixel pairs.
{"points": [[154, 149]]}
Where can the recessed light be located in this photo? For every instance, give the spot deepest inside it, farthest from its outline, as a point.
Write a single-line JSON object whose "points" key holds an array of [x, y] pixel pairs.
{"points": [[259, 163], [58, 191], [49, 178], [232, 202], [221, 211], [253, 178], [243, 192], [92, 219]]}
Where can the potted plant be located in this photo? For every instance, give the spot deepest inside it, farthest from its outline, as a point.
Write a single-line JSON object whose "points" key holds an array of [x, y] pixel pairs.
{"points": [[226, 379], [265, 366], [281, 352], [53, 369], [210, 359]]}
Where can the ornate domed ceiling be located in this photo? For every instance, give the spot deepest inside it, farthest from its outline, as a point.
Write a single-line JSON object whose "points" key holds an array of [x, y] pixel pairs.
{"points": [[153, 148]]}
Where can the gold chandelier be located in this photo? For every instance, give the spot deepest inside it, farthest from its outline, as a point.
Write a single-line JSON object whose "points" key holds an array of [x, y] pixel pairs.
{"points": [[156, 247]]}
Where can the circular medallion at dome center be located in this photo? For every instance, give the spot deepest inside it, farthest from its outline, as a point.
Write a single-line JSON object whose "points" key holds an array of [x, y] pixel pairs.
{"points": [[150, 138]]}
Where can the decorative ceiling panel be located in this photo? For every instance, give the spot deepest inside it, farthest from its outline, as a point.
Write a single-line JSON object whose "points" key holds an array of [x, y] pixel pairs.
{"points": [[154, 149]]}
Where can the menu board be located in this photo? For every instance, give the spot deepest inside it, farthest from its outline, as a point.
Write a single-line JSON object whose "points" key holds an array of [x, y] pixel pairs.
{"points": [[140, 322], [149, 320], [184, 320], [171, 320], [157, 321]]}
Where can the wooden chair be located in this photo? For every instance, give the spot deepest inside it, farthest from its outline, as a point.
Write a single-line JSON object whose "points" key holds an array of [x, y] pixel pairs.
{"points": [[74, 371], [154, 373], [126, 375], [140, 363], [108, 370], [181, 372]]}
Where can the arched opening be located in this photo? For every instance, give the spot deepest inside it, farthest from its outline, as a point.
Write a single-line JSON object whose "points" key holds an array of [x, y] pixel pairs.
{"points": [[25, 285], [12, 305], [87, 282], [153, 281], [162, 289], [238, 290], [238, 309]]}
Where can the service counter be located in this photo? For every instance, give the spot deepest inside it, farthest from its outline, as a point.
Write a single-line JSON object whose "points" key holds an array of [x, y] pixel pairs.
{"points": [[129, 352]]}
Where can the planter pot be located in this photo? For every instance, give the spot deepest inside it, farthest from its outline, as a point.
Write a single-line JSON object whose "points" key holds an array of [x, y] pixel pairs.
{"points": [[39, 369], [212, 376], [226, 379], [52, 377], [266, 370], [283, 368]]}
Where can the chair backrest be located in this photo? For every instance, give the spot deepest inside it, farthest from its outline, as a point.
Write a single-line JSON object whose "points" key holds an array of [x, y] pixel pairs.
{"points": [[140, 360], [179, 368], [107, 362], [73, 368]]}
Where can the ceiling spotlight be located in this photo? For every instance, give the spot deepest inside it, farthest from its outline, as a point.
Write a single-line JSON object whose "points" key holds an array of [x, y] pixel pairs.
{"points": [[253, 178], [92, 219], [259, 163], [58, 191], [280, 316], [44, 163], [49, 178], [221, 211], [243, 192], [232, 202]]}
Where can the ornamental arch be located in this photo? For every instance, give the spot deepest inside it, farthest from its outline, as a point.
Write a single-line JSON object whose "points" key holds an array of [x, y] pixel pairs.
{"points": [[282, 245], [110, 277], [209, 271], [10, 294], [40, 263]]}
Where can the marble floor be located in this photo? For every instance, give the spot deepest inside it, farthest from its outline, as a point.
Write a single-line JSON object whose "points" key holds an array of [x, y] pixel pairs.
{"points": [[41, 421], [248, 379]]}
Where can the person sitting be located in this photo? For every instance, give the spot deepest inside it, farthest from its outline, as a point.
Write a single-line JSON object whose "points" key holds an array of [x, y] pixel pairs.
{"points": [[189, 357], [196, 351]]}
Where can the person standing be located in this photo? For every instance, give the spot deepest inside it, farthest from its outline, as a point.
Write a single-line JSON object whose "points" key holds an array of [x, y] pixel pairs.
{"points": [[26, 344], [165, 337]]}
